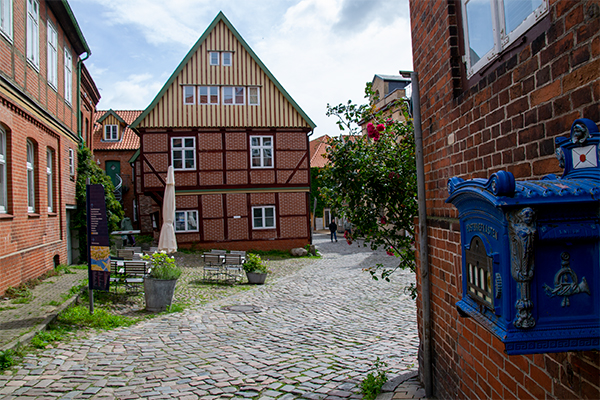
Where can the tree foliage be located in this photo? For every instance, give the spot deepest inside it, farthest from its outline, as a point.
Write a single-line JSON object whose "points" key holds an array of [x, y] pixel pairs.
{"points": [[371, 179], [87, 168]]}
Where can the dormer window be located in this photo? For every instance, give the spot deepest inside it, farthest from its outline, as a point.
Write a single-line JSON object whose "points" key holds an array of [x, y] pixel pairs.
{"points": [[111, 132]]}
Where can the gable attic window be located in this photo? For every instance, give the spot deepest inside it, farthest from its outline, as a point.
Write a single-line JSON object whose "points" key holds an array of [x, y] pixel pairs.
{"points": [[111, 132], [208, 95], [6, 17], [491, 26], [226, 58], [233, 95], [189, 95], [253, 96], [214, 57]]}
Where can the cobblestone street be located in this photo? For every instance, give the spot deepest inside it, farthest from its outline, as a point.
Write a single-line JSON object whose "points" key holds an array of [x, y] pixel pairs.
{"points": [[313, 334]]}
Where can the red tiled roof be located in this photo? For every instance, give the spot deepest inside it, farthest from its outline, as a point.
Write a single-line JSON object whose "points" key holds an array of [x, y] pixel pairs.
{"points": [[129, 140], [318, 149]]}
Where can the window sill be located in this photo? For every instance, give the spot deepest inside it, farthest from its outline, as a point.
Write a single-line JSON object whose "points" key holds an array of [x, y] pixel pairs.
{"points": [[6, 216], [52, 214], [33, 215]]}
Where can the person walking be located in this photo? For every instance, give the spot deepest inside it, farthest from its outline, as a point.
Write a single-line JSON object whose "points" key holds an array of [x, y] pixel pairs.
{"points": [[333, 229]]}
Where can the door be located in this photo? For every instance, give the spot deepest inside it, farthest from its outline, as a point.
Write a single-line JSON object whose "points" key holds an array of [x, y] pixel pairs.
{"points": [[113, 170]]}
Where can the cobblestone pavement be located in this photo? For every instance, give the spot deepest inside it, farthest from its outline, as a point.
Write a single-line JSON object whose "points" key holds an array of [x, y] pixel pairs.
{"points": [[313, 334]]}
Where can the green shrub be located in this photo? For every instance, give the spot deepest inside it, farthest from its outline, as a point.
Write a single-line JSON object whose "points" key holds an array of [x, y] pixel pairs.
{"points": [[80, 317], [255, 264], [163, 266], [6, 359], [44, 338]]}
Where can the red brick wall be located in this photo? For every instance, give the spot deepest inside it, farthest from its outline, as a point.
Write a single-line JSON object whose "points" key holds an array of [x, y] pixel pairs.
{"points": [[507, 120]]}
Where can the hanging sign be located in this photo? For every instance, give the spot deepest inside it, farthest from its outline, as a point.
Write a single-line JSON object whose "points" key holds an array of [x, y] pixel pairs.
{"points": [[98, 239]]}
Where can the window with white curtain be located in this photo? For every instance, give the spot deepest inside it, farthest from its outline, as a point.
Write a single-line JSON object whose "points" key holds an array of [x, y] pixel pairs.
{"points": [[33, 32], [490, 26], [30, 177], [50, 179], [186, 221], [6, 18], [68, 76], [52, 56], [261, 151], [254, 96], [3, 182]]}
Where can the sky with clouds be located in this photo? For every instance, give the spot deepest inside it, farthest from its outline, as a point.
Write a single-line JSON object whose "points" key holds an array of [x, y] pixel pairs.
{"points": [[321, 51]]}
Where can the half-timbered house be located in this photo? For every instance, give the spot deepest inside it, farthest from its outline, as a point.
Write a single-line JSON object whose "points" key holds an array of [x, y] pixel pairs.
{"points": [[239, 146]]}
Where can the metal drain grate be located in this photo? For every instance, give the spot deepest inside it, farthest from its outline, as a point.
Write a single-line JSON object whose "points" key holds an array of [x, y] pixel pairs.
{"points": [[241, 309]]}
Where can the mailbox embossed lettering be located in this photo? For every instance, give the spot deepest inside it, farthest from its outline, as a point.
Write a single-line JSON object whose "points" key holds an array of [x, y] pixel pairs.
{"points": [[522, 235]]}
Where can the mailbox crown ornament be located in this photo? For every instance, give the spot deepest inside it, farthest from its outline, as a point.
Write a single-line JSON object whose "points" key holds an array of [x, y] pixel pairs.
{"points": [[531, 253]]}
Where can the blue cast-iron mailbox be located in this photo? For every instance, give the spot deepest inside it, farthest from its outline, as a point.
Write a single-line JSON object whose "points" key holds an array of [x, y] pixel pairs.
{"points": [[531, 254]]}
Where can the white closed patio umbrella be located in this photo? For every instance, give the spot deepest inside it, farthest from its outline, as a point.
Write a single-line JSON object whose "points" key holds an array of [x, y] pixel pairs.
{"points": [[167, 241]]}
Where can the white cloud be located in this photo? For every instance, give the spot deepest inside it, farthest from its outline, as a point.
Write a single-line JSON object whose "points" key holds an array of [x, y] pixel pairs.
{"points": [[137, 91]]}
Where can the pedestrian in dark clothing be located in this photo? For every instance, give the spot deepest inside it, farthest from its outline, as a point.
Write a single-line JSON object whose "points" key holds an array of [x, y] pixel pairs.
{"points": [[333, 230]]}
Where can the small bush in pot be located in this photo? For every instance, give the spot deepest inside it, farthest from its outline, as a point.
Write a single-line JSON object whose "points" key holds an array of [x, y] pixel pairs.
{"points": [[256, 269], [159, 286]]}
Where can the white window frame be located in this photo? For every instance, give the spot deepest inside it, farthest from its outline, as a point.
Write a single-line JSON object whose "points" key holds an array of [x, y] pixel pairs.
{"points": [[183, 149], [33, 33], [68, 76], [209, 94], [111, 133], [263, 217], [6, 18], [215, 60], [232, 91], [502, 39], [52, 56], [262, 148], [3, 182], [71, 162], [250, 95], [186, 95], [50, 179], [30, 176], [223, 61], [187, 214]]}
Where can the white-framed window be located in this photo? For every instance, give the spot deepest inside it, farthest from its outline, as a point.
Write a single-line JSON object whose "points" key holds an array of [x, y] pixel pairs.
{"points": [[52, 56], [111, 132], [189, 95], [68, 76], [50, 179], [226, 58], [253, 96], [186, 221], [261, 150], [33, 32], [263, 217], [30, 177], [208, 95], [3, 182], [6, 18], [490, 26], [71, 162], [214, 57], [183, 153], [233, 95]]}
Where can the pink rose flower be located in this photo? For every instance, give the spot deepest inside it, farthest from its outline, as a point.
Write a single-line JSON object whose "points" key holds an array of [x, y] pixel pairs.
{"points": [[380, 127], [376, 136], [370, 130]]}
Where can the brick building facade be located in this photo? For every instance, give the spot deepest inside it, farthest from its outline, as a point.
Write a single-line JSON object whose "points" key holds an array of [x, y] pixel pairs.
{"points": [[40, 100], [238, 144], [483, 112]]}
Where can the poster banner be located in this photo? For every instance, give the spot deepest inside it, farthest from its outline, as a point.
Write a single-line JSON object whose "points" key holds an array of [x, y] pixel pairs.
{"points": [[98, 239]]}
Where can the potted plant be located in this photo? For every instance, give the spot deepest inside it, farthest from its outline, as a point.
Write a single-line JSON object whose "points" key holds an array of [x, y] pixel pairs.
{"points": [[159, 285], [256, 269]]}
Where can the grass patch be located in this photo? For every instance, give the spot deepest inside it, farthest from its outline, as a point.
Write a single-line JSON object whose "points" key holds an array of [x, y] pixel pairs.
{"points": [[54, 303], [7, 359], [43, 338], [80, 317], [173, 308], [7, 308], [371, 386]]}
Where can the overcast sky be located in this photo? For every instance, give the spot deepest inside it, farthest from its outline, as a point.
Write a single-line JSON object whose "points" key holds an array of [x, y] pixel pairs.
{"points": [[321, 51]]}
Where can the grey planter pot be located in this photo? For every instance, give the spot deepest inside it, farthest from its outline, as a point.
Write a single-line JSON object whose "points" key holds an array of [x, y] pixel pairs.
{"points": [[256, 279], [158, 293]]}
